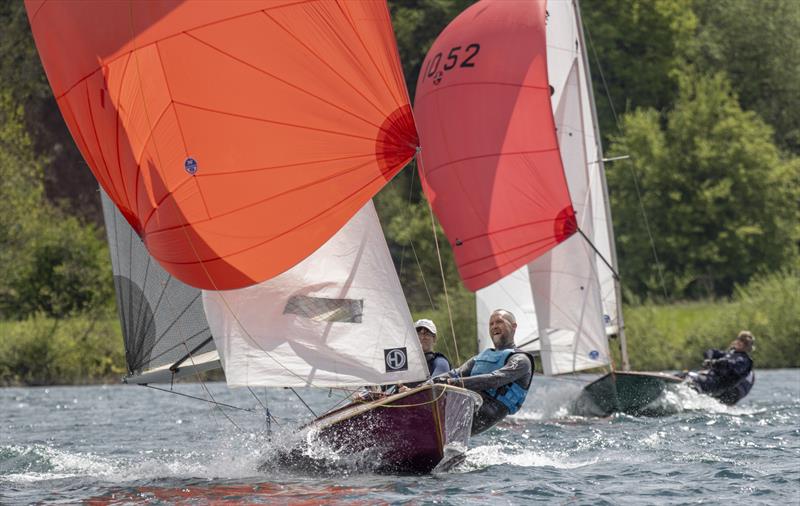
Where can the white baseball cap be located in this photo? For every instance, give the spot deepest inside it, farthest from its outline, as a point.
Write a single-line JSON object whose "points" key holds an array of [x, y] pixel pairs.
{"points": [[427, 324]]}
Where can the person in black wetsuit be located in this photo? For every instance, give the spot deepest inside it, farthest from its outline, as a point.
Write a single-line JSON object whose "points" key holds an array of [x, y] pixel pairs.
{"points": [[426, 332], [729, 374], [501, 375]]}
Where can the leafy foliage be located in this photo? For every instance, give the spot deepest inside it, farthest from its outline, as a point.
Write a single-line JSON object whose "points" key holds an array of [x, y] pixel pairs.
{"points": [[756, 44], [641, 47], [720, 200], [46, 351], [65, 269], [49, 261], [674, 336]]}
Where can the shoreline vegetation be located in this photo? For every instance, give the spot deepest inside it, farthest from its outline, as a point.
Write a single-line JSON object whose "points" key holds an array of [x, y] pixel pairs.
{"points": [[81, 350]]}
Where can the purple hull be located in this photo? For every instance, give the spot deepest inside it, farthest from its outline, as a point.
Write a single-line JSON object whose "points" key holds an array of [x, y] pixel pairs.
{"points": [[409, 432]]}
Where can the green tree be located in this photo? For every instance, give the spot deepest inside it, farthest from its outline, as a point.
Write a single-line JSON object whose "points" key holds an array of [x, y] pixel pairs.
{"points": [[638, 50], [49, 262], [756, 44], [21, 192], [67, 179], [720, 199], [417, 23]]}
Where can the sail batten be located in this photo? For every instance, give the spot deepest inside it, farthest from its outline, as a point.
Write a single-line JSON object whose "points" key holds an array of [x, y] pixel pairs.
{"points": [[164, 327]]}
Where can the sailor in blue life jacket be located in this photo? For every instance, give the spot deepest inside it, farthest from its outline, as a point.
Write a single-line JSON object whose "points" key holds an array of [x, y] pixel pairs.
{"points": [[501, 375], [729, 374], [426, 332]]}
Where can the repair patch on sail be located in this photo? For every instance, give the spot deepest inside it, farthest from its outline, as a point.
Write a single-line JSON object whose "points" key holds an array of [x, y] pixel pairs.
{"points": [[337, 319]]}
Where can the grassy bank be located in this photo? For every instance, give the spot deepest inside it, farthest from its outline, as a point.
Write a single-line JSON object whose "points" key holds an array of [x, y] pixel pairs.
{"points": [[674, 336], [81, 349], [68, 351]]}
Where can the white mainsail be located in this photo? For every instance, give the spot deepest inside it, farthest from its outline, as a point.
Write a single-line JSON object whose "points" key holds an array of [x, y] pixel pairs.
{"points": [[570, 297], [337, 319]]}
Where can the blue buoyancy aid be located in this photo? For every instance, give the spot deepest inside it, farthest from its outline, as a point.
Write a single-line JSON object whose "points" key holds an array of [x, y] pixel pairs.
{"points": [[513, 395]]}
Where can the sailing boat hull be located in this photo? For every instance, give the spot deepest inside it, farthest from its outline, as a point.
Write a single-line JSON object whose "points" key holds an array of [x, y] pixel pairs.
{"points": [[622, 392], [418, 431]]}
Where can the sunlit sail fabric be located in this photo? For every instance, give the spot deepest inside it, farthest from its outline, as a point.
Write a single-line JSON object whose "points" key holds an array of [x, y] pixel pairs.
{"points": [[566, 290], [512, 293], [490, 161], [203, 121], [163, 322], [566, 281], [570, 294], [337, 319]]}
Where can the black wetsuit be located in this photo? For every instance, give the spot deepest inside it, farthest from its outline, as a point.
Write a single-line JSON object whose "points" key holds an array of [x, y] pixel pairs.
{"points": [[518, 368], [729, 377], [437, 363]]}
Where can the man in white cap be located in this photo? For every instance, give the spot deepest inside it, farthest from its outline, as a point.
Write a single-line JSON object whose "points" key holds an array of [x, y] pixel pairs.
{"points": [[426, 332]]}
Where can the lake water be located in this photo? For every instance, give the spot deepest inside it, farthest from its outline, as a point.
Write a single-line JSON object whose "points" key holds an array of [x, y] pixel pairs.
{"points": [[126, 444]]}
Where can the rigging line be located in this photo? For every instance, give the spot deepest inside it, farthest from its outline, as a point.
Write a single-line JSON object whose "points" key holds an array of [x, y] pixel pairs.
{"points": [[602, 78], [197, 398], [304, 402], [444, 281], [407, 218], [233, 314], [264, 406], [659, 267], [649, 232], [597, 252], [208, 392], [422, 274], [529, 341]]}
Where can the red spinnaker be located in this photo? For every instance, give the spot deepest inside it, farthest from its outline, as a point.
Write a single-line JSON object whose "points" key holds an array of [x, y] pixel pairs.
{"points": [[490, 162], [235, 136]]}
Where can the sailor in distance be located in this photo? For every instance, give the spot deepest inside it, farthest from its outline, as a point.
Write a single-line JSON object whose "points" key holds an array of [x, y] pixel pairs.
{"points": [[501, 375], [426, 332], [728, 375]]}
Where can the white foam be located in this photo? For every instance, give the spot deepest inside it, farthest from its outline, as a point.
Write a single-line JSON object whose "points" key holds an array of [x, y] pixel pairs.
{"points": [[493, 455], [549, 402]]}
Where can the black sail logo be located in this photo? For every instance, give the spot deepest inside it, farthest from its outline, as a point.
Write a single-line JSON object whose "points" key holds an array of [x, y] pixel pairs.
{"points": [[396, 359]]}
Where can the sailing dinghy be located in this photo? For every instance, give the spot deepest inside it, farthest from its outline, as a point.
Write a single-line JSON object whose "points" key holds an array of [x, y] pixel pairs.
{"points": [[241, 143], [517, 181]]}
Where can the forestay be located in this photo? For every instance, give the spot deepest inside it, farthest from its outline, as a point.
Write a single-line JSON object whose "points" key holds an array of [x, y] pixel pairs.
{"points": [[337, 319], [164, 327]]}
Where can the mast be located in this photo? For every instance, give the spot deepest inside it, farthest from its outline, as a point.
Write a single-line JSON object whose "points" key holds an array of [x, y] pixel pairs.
{"points": [[601, 167]]}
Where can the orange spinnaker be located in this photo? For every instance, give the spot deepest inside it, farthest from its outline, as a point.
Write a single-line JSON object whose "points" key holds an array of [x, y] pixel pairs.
{"points": [[490, 162], [235, 136]]}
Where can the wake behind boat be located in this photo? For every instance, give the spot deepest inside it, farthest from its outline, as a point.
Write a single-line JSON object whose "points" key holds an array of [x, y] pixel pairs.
{"points": [[623, 392]]}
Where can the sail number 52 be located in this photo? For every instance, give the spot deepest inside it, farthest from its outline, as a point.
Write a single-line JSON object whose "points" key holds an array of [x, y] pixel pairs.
{"points": [[456, 57]]}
